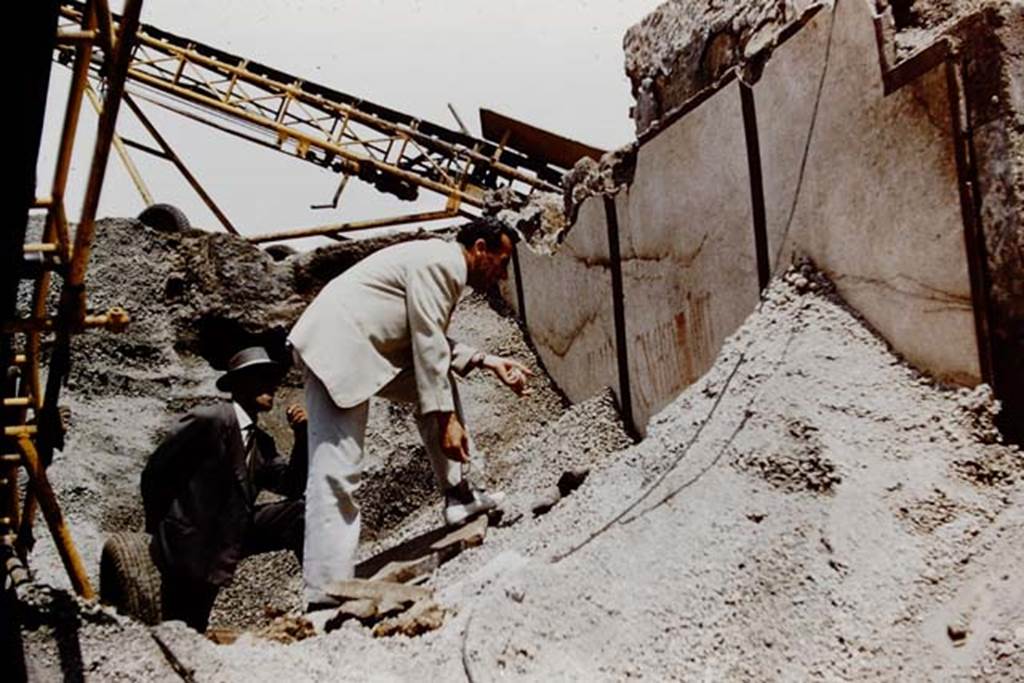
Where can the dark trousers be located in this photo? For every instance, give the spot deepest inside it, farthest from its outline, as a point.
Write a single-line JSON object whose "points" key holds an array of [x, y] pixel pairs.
{"points": [[276, 526]]}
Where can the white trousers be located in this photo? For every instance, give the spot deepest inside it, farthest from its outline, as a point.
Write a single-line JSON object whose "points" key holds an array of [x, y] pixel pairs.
{"points": [[336, 439]]}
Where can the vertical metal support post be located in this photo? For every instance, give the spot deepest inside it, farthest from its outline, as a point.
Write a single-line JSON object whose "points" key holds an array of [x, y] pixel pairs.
{"points": [[756, 185], [117, 66], [72, 113], [520, 294], [974, 240], [55, 519], [619, 313]]}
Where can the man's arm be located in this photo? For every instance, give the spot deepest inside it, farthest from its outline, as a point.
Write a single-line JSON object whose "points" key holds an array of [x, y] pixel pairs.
{"points": [[171, 466], [453, 436], [429, 299], [288, 478], [465, 358], [514, 374], [298, 464]]}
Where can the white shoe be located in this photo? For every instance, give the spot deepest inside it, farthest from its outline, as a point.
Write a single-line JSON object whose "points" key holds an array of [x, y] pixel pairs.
{"points": [[456, 512]]}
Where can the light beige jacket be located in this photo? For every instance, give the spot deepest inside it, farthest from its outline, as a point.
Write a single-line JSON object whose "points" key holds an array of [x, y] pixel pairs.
{"points": [[388, 313]]}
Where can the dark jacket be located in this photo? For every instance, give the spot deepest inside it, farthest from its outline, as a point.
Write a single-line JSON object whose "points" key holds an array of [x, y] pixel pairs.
{"points": [[197, 496]]}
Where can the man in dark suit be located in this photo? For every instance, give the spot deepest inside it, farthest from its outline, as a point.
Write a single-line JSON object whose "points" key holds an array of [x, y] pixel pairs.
{"points": [[199, 489]]}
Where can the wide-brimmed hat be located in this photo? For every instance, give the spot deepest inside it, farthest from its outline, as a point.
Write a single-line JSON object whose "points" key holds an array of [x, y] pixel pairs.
{"points": [[246, 360]]}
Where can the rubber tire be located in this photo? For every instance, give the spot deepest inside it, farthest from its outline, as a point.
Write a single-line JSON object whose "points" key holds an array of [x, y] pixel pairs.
{"points": [[165, 218], [129, 579], [280, 252]]}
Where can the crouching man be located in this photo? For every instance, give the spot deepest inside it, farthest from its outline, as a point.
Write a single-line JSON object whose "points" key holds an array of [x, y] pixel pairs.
{"points": [[379, 329], [199, 489]]}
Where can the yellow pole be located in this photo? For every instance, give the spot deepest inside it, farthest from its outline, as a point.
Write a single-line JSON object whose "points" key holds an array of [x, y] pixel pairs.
{"points": [[55, 519]]}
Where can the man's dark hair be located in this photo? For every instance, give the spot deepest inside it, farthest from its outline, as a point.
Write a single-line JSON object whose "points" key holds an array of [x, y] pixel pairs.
{"points": [[487, 229]]}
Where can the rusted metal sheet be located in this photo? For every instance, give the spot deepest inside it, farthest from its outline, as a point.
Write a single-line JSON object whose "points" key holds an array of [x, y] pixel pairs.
{"points": [[535, 142]]}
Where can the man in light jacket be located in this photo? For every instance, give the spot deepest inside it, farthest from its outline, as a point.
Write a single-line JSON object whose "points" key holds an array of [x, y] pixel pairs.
{"points": [[379, 329]]}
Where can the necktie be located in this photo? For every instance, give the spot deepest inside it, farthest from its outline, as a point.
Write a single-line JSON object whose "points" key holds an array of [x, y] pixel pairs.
{"points": [[251, 460]]}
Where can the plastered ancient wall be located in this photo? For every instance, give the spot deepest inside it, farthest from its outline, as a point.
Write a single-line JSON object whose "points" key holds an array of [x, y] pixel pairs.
{"points": [[825, 152]]}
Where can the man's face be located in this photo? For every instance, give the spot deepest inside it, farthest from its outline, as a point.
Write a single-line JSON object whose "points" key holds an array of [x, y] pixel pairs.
{"points": [[255, 390], [489, 267]]}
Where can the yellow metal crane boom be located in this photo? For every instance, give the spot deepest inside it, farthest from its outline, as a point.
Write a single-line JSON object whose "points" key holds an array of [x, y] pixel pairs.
{"points": [[395, 152]]}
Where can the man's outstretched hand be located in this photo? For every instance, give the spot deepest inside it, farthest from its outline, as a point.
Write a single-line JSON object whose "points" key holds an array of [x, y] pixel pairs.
{"points": [[453, 436], [296, 415], [513, 373]]}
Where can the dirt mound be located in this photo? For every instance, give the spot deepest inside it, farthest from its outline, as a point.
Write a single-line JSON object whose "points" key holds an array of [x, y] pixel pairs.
{"points": [[792, 459], [683, 567]]}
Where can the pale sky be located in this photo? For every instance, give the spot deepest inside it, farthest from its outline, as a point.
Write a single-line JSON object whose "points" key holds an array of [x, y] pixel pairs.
{"points": [[554, 64]]}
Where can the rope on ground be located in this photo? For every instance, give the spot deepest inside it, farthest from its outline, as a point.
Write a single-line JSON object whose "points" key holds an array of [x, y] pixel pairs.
{"points": [[624, 516], [704, 470], [747, 414], [185, 673], [660, 478], [466, 666]]}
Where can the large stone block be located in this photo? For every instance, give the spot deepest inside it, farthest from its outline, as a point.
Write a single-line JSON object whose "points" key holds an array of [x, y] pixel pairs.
{"points": [[866, 184], [992, 49], [568, 306], [688, 261], [859, 170]]}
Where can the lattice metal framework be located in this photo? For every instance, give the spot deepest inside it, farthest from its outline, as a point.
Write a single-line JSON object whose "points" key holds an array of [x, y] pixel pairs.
{"points": [[395, 152]]}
